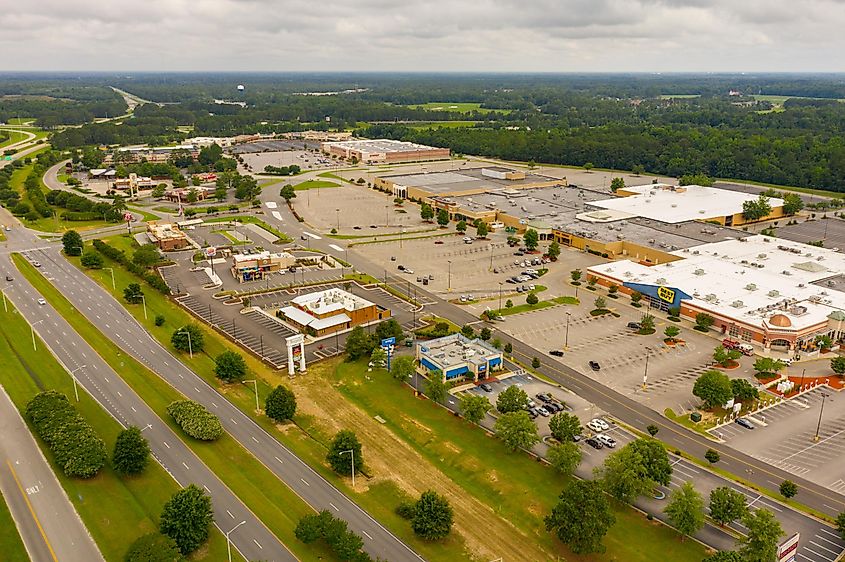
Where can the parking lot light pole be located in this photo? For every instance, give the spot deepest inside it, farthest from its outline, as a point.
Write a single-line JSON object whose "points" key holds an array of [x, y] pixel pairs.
{"points": [[500, 305], [111, 270], [449, 287], [144, 302], [73, 378], [800, 386], [645, 373], [228, 542], [190, 348], [261, 341], [352, 453], [32, 330], [255, 385], [821, 412], [566, 337], [337, 217]]}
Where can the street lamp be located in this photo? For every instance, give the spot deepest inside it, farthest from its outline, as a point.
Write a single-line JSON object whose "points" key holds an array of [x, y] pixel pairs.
{"points": [[255, 384], [645, 373], [500, 302], [113, 286], [144, 302], [75, 389], [337, 216], [228, 542], [32, 330], [352, 453], [449, 288], [821, 412], [190, 347], [566, 338]]}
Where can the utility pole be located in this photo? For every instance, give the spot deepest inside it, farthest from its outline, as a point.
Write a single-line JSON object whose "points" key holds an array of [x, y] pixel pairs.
{"points": [[73, 377], [255, 385], [821, 412]]}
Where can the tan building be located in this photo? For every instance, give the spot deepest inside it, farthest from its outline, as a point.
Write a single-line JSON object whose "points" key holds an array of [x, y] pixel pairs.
{"points": [[134, 183], [152, 153], [384, 151], [252, 267], [334, 310], [167, 236]]}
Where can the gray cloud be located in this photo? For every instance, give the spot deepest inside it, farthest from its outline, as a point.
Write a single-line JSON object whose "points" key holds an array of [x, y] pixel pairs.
{"points": [[478, 35]]}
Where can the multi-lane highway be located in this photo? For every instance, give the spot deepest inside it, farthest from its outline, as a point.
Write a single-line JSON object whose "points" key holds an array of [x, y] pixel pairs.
{"points": [[112, 319]]}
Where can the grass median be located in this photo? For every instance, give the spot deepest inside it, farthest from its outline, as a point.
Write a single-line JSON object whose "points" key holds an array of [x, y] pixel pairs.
{"points": [[278, 507], [115, 509], [10, 541]]}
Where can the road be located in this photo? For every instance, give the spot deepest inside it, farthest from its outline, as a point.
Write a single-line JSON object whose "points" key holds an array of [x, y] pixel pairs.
{"points": [[46, 520], [253, 540], [113, 320]]}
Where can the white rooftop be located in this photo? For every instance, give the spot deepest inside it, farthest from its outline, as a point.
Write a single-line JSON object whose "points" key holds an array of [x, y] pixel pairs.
{"points": [[380, 145], [331, 300], [749, 279], [265, 255], [673, 204]]}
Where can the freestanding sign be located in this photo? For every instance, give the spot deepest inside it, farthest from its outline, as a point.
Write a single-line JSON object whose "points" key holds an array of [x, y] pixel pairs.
{"points": [[387, 345], [788, 549]]}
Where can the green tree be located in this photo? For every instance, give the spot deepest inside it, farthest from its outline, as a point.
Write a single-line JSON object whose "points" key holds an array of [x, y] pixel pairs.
{"points": [[341, 461], [652, 429], [638, 169], [554, 250], [531, 239], [485, 333], [564, 457], [153, 547], [159, 191], [402, 368], [389, 328], [461, 226], [636, 297], [72, 243], [635, 470], [287, 192], [671, 332], [743, 390], [92, 260], [186, 518], [131, 452], [581, 517], [712, 456], [508, 303], [508, 348], [146, 256], [727, 505], [823, 341], [210, 154], [725, 357], [758, 209], [575, 275], [481, 229], [788, 489], [703, 321], [600, 303], [467, 331], [616, 184], [188, 338], [647, 323], [517, 430], [761, 540], [435, 388], [725, 556], [532, 299], [512, 399], [713, 387], [686, 510], [695, 179], [358, 344], [378, 357], [432, 516], [792, 203], [230, 366], [840, 524], [193, 195], [426, 212], [280, 404], [535, 363], [133, 293], [837, 365], [588, 166], [442, 217], [565, 426], [474, 406], [767, 365]]}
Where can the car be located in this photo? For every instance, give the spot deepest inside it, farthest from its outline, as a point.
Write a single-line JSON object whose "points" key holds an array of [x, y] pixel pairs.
{"points": [[594, 365], [292, 269], [519, 289], [544, 412], [409, 271], [594, 443], [745, 423], [42, 302], [543, 397], [486, 387], [577, 437], [554, 407], [7, 228], [400, 267], [495, 270], [556, 353], [438, 241], [36, 263], [533, 413], [392, 258], [597, 425], [303, 237], [9, 278], [634, 325], [419, 279], [463, 298], [531, 404], [606, 440], [373, 226], [431, 277], [519, 254], [531, 287], [470, 298], [356, 228]]}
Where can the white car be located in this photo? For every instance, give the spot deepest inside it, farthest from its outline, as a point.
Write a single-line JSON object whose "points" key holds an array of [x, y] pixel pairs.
{"points": [[42, 302], [606, 440], [409, 271], [598, 425]]}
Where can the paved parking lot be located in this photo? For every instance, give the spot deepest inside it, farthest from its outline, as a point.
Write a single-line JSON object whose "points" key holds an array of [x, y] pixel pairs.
{"points": [[304, 159], [831, 230]]}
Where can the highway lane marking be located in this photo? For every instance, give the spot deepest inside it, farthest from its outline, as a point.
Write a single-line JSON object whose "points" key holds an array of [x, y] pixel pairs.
{"points": [[254, 439], [304, 482], [213, 404], [233, 421], [133, 409], [206, 488], [230, 514], [195, 388], [186, 466], [258, 543], [314, 236], [106, 379], [165, 444], [32, 512], [334, 506], [119, 394], [278, 459], [367, 534], [335, 247]]}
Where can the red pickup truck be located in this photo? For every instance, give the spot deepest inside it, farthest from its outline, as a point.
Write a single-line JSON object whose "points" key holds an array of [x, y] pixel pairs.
{"points": [[744, 348]]}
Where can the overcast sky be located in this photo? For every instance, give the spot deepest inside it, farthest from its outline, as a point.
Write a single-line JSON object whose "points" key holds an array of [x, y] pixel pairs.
{"points": [[424, 35]]}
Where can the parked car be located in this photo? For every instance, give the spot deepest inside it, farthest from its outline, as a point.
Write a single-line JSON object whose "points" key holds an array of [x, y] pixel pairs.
{"points": [[533, 413], [556, 353], [531, 287], [544, 412], [430, 277], [606, 440], [634, 325], [419, 279], [594, 443], [598, 425], [36, 263], [594, 365], [438, 241], [8, 278], [400, 267], [392, 258], [745, 423], [409, 271], [556, 406], [486, 387], [543, 396]]}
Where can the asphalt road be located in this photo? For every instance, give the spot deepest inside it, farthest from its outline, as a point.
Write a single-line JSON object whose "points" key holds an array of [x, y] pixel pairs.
{"points": [[46, 520], [113, 320], [253, 540]]}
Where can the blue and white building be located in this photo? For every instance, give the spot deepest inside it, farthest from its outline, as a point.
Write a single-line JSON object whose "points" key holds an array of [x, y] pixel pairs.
{"points": [[459, 357]]}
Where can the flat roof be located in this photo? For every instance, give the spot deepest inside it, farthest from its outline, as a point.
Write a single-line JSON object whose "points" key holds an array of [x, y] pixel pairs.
{"points": [[381, 145], [331, 300], [456, 349], [669, 203], [748, 279], [471, 179]]}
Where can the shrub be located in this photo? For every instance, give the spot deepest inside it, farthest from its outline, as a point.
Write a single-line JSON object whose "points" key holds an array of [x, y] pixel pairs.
{"points": [[92, 260], [75, 445], [182, 342], [230, 366], [195, 420], [159, 320], [280, 404], [406, 510], [131, 452], [153, 547]]}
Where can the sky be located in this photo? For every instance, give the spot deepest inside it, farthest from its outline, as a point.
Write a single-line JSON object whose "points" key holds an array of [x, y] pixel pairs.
{"points": [[424, 36]]}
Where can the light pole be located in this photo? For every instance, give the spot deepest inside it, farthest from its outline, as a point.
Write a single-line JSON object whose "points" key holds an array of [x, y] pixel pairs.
{"points": [[645, 373], [337, 217], [255, 385], [113, 286], [32, 330], [73, 377], [566, 337], [500, 300], [449, 288], [190, 348], [387, 215], [144, 302], [491, 258], [228, 542], [800, 386], [352, 453], [5, 305], [821, 412]]}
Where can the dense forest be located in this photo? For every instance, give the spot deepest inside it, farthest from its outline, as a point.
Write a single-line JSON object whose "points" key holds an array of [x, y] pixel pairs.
{"points": [[717, 126]]}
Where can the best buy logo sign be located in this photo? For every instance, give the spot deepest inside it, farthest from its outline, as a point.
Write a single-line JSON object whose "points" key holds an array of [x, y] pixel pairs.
{"points": [[666, 294]]}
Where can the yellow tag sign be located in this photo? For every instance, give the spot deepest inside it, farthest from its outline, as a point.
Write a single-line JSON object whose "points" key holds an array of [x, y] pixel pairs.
{"points": [[666, 294]]}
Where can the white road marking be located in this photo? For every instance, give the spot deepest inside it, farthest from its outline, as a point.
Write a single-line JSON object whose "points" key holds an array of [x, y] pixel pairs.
{"points": [[304, 482], [334, 506], [186, 466], [271, 204], [254, 439], [278, 459], [165, 444], [367, 535], [335, 247], [314, 236], [258, 543], [277, 215]]}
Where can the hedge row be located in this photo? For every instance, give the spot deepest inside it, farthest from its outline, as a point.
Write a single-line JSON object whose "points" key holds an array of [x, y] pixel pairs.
{"points": [[151, 277], [75, 445], [195, 420], [75, 216]]}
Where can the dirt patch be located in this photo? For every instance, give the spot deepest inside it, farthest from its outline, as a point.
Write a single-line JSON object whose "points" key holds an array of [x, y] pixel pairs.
{"points": [[389, 458]]}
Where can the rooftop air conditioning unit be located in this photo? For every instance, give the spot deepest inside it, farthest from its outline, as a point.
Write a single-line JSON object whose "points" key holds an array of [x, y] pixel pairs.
{"points": [[774, 293], [751, 287], [737, 304], [766, 240], [699, 271], [801, 285], [786, 272], [761, 256]]}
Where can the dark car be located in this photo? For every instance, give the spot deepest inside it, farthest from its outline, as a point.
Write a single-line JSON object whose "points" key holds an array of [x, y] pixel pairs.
{"points": [[519, 253], [553, 407], [556, 353], [745, 423], [595, 366], [543, 397], [486, 387], [8, 278], [634, 325], [400, 267], [594, 443]]}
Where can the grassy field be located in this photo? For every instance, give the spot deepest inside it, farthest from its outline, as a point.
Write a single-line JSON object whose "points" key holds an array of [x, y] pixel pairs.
{"points": [[456, 107], [14, 136], [10, 541], [314, 184], [443, 124], [252, 220], [542, 304], [274, 503], [115, 510]]}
